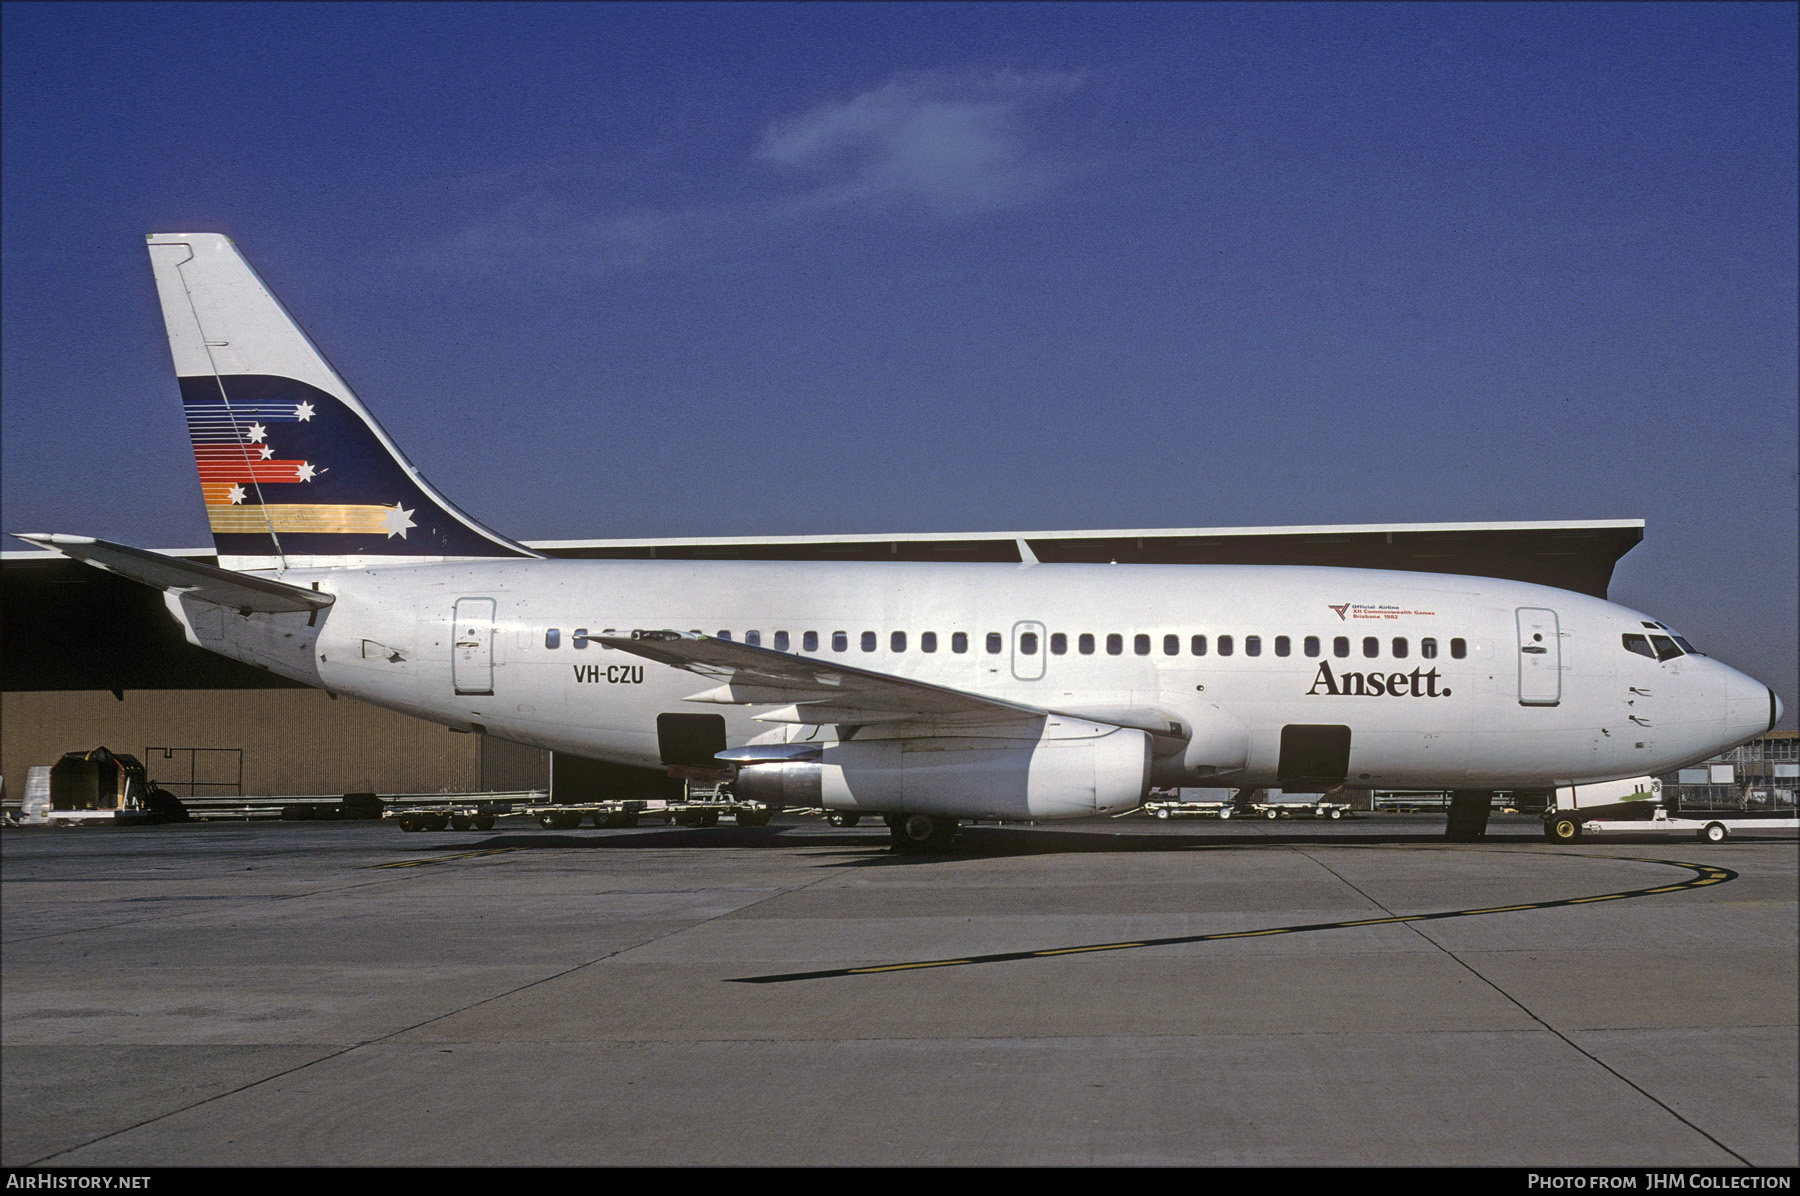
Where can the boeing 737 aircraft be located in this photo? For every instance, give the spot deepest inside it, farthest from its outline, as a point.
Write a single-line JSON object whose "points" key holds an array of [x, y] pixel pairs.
{"points": [[925, 692]]}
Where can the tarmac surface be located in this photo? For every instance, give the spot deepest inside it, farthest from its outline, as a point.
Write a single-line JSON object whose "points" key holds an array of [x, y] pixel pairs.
{"points": [[343, 993]]}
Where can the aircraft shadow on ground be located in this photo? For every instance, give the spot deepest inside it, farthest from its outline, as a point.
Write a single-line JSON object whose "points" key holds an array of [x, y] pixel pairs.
{"points": [[871, 844]]}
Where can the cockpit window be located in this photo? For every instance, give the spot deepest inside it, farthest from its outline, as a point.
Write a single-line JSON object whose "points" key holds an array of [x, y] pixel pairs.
{"points": [[1665, 647], [1687, 647], [1639, 644]]}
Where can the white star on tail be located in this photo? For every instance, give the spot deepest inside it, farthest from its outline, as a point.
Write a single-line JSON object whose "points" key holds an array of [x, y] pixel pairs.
{"points": [[268, 451], [303, 412], [235, 494], [305, 472], [397, 521], [257, 432]]}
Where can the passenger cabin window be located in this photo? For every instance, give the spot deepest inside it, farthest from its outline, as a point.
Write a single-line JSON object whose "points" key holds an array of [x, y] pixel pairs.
{"points": [[1428, 649], [1253, 645], [781, 641], [1085, 645], [1059, 644], [868, 641], [1639, 644], [1371, 646], [959, 641], [810, 642], [724, 635], [1312, 645], [1171, 645], [1283, 645], [840, 641], [578, 637], [994, 643], [1115, 644], [928, 641], [1224, 645], [1140, 644], [1399, 647], [1028, 643], [1459, 649], [1197, 645], [553, 637], [1340, 646], [897, 642], [753, 638]]}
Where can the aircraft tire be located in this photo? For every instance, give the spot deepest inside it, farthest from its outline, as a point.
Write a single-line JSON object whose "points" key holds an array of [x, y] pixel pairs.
{"points": [[919, 834], [484, 822], [840, 818], [1714, 832], [461, 822], [408, 825], [1562, 830]]}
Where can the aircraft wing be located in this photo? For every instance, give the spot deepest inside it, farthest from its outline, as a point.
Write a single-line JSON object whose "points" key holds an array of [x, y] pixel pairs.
{"points": [[810, 691], [241, 592]]}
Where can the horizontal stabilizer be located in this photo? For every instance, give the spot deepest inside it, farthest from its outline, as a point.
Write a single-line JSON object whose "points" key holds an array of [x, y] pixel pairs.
{"points": [[239, 591]]}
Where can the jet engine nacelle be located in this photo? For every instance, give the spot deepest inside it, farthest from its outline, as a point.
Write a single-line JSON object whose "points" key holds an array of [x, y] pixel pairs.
{"points": [[1102, 771]]}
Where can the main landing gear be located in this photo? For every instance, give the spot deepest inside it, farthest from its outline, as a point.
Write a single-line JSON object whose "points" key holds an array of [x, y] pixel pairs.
{"points": [[920, 834]]}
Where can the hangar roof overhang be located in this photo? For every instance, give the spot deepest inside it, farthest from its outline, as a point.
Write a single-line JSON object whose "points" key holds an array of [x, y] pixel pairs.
{"points": [[65, 626]]}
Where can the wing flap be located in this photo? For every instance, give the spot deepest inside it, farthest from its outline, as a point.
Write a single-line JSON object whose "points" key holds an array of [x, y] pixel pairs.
{"points": [[814, 691]]}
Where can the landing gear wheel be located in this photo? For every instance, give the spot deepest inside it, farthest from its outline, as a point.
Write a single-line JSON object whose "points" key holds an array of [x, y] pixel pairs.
{"points": [[408, 824], [484, 822], [752, 817], [1562, 830], [916, 834], [839, 818], [1713, 832], [461, 822]]}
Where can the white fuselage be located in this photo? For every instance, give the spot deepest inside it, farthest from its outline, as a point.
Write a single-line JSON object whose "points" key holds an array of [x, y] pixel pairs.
{"points": [[1501, 685]]}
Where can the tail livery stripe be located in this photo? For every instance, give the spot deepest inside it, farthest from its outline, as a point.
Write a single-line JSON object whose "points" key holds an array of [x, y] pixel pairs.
{"points": [[293, 469]]}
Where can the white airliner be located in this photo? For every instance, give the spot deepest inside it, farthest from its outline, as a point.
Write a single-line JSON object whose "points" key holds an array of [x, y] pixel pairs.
{"points": [[925, 692]]}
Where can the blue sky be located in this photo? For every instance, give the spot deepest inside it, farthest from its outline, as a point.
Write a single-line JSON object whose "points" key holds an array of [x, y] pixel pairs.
{"points": [[627, 270]]}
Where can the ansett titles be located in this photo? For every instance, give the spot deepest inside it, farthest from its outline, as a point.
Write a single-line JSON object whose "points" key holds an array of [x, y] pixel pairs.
{"points": [[1420, 683]]}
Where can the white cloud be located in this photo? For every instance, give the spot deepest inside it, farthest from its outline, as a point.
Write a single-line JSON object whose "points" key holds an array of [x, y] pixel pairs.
{"points": [[940, 145], [955, 143]]}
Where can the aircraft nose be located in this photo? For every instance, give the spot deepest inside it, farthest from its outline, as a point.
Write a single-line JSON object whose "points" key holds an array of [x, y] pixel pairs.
{"points": [[1751, 708]]}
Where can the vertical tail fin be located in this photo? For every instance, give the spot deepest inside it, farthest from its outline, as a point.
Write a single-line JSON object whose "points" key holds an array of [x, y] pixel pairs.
{"points": [[294, 470]]}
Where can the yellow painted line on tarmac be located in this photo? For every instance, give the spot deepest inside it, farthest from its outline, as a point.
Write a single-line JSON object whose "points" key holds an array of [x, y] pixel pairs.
{"points": [[461, 855], [1704, 874]]}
